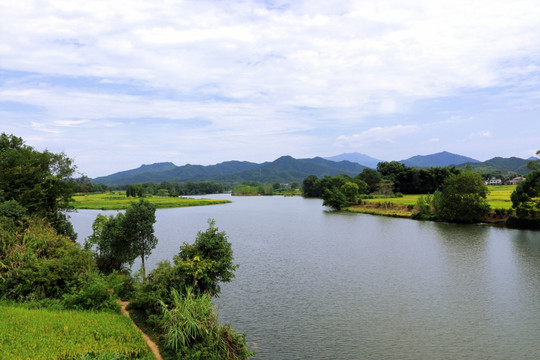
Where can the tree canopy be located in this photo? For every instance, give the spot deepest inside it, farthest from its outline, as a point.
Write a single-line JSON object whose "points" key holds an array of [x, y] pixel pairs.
{"points": [[41, 182]]}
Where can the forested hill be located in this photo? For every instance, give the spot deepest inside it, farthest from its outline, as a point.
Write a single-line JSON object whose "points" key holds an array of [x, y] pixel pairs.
{"points": [[444, 158], [285, 169], [500, 166]]}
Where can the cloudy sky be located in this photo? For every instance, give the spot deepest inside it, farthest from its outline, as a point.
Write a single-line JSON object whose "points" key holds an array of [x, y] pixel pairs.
{"points": [[118, 83]]}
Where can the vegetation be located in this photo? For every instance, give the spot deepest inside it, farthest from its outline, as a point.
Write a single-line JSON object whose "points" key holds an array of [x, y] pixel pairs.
{"points": [[40, 182], [44, 273], [118, 201], [526, 202], [63, 334]]}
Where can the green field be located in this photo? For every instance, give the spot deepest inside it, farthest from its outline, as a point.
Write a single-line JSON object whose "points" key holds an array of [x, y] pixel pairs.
{"points": [[47, 334], [498, 198], [118, 201]]}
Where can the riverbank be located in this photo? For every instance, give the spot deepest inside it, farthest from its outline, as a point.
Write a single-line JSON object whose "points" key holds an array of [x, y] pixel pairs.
{"points": [[119, 201]]}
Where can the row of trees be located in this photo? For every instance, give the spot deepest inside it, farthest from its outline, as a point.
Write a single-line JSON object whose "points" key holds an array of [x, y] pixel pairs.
{"points": [[165, 188]]}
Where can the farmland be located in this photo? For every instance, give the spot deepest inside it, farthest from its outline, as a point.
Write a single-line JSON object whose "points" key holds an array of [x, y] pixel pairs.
{"points": [[64, 334]]}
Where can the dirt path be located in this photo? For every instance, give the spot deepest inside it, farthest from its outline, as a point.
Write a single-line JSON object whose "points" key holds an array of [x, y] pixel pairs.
{"points": [[152, 345]]}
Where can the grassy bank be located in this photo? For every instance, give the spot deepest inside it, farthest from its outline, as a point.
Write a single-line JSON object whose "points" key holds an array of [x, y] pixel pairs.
{"points": [[498, 198], [61, 334], [119, 201]]}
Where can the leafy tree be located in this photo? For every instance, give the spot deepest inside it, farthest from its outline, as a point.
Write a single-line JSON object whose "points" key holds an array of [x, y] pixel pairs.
{"points": [[138, 228], [134, 190], [120, 239], [350, 190], [207, 262], [41, 182], [334, 198], [310, 186], [525, 198], [371, 177], [462, 199]]}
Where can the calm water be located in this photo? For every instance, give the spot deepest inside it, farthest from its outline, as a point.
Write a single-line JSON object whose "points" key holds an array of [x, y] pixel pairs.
{"points": [[316, 284]]}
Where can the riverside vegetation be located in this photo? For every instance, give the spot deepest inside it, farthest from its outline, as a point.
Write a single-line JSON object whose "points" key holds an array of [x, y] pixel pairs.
{"points": [[442, 194], [65, 296]]}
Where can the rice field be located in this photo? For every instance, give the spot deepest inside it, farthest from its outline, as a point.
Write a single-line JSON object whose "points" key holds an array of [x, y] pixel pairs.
{"points": [[62, 334], [118, 201]]}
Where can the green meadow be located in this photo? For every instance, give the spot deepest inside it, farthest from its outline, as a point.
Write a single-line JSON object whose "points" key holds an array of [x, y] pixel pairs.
{"points": [[118, 201], [65, 334]]}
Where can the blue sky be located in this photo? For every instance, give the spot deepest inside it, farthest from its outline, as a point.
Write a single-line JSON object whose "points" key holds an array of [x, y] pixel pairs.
{"points": [[115, 84]]}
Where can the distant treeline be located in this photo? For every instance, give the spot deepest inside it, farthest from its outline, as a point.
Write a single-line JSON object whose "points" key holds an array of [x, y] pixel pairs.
{"points": [[165, 188], [392, 176]]}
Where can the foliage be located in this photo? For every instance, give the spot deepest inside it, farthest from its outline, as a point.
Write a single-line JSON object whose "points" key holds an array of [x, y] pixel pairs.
{"points": [[201, 266], [37, 333], [138, 229], [37, 263], [120, 239], [250, 188], [462, 199], [94, 293], [39, 181], [334, 198], [526, 196], [193, 331]]}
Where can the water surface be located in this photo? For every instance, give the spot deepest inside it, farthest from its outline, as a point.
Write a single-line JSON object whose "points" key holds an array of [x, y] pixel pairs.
{"points": [[317, 284]]}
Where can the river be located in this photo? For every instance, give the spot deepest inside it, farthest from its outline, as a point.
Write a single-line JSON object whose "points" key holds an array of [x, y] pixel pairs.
{"points": [[319, 284]]}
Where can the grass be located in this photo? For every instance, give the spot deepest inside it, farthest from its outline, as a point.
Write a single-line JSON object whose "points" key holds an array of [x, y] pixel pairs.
{"points": [[119, 201], [62, 334], [498, 198]]}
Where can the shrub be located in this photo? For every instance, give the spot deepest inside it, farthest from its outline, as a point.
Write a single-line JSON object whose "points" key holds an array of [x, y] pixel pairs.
{"points": [[94, 294]]}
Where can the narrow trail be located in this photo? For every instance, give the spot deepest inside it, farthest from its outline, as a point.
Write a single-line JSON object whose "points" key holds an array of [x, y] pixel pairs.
{"points": [[152, 345]]}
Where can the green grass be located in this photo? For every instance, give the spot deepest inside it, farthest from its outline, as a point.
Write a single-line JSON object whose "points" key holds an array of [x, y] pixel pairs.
{"points": [[47, 334], [119, 201]]}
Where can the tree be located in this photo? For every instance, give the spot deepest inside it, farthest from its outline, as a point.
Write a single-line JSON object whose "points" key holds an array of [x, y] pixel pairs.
{"points": [[310, 186], [138, 227], [207, 262], [371, 177], [334, 198], [525, 196], [350, 190], [120, 239], [462, 198], [39, 181]]}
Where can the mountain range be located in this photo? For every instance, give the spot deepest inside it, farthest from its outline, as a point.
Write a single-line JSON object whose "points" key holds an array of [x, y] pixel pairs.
{"points": [[287, 169]]}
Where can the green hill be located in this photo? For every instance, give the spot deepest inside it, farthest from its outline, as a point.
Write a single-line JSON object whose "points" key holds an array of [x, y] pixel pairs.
{"points": [[285, 169]]}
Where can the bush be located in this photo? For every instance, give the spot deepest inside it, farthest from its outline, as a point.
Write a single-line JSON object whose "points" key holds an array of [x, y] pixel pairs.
{"points": [[94, 294]]}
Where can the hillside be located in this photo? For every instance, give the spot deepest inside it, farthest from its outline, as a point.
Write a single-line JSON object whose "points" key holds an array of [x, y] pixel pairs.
{"points": [[498, 165], [439, 159], [285, 169]]}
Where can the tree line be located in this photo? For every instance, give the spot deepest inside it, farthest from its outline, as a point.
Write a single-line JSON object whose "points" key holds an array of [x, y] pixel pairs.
{"points": [[449, 193]]}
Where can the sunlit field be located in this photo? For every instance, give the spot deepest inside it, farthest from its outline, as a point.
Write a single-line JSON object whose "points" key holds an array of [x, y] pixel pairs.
{"points": [[46, 334], [118, 201]]}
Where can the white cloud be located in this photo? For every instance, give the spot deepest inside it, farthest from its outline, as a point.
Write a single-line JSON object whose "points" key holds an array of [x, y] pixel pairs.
{"points": [[281, 74], [386, 134]]}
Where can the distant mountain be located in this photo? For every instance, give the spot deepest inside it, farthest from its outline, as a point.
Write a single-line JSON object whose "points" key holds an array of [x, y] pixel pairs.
{"points": [[358, 158], [439, 159], [504, 166], [286, 169]]}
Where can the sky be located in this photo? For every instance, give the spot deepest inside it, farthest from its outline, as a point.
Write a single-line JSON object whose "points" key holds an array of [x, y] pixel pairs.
{"points": [[117, 84]]}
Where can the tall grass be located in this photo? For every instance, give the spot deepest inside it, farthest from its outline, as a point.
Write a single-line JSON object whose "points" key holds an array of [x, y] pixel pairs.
{"points": [[193, 330], [47, 334]]}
